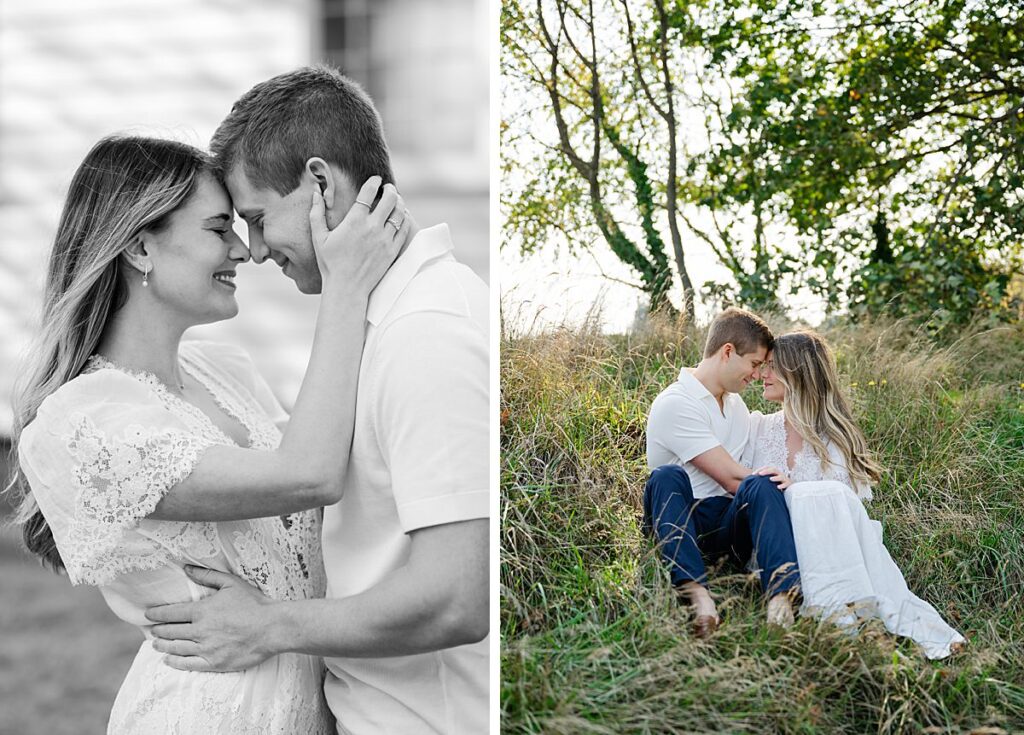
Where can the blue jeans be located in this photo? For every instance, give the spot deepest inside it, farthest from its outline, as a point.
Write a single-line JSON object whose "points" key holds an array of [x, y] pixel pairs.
{"points": [[755, 520]]}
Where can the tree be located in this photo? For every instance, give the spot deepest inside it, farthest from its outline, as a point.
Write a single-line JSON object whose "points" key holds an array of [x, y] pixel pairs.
{"points": [[869, 150], [611, 166], [896, 129], [607, 150]]}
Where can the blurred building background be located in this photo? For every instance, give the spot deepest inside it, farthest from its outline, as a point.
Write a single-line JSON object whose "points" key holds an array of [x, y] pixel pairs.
{"points": [[72, 71]]}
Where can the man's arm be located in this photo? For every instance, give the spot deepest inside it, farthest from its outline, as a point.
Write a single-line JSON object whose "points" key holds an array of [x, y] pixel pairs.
{"points": [[438, 600], [719, 465]]}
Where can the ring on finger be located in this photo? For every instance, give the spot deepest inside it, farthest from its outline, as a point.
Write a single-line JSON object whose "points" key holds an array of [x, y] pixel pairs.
{"points": [[365, 204], [397, 224]]}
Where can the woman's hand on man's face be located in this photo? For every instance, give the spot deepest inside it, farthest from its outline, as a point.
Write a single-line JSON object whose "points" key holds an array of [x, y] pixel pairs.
{"points": [[358, 252]]}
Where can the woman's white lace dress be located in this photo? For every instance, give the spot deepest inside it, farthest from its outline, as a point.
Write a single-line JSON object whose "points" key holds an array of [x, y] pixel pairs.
{"points": [[100, 455], [846, 572]]}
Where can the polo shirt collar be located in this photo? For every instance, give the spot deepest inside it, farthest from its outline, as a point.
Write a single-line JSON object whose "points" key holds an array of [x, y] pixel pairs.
{"points": [[693, 386], [429, 243]]}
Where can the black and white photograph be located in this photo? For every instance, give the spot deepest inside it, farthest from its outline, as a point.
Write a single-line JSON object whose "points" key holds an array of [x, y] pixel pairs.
{"points": [[246, 369]]}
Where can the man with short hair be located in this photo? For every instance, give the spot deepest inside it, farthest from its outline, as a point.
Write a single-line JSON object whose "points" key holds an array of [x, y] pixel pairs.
{"points": [[699, 501], [403, 629]]}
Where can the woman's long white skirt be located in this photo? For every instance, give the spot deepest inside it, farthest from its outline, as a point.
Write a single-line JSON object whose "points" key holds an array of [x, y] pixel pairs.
{"points": [[846, 572]]}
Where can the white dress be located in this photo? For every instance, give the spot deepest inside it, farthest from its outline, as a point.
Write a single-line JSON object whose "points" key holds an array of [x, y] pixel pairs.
{"points": [[101, 453], [846, 572]]}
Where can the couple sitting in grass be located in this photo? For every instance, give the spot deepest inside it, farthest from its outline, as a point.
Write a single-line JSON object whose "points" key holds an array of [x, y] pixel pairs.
{"points": [[799, 517]]}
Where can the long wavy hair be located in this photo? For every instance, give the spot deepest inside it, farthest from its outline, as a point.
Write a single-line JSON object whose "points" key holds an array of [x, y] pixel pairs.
{"points": [[125, 185], [816, 406]]}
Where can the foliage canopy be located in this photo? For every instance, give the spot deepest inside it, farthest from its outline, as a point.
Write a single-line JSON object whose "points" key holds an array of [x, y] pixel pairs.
{"points": [[870, 151]]}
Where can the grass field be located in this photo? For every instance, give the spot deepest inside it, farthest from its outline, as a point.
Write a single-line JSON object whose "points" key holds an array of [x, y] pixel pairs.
{"points": [[64, 653], [592, 638]]}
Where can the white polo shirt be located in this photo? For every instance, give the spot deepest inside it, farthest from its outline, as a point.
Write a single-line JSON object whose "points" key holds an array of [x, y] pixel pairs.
{"points": [[685, 420], [419, 458]]}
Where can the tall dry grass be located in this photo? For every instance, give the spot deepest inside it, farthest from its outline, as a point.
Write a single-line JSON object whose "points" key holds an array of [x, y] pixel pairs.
{"points": [[592, 638]]}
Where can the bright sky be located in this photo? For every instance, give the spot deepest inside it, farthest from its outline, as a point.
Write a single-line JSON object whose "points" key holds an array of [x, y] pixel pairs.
{"points": [[554, 288]]}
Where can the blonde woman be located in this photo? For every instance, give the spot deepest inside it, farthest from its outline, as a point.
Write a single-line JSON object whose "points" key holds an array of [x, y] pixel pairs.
{"points": [[140, 453], [846, 572]]}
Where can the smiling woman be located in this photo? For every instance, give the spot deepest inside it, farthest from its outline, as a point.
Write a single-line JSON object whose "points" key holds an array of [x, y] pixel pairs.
{"points": [[140, 453], [846, 572], [189, 260]]}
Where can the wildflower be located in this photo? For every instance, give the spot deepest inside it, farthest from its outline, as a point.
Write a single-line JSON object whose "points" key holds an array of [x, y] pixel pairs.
{"points": [[871, 382], [884, 381], [853, 385], [1022, 386]]}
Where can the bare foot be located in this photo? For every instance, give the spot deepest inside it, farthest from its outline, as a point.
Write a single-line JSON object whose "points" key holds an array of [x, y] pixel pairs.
{"points": [[704, 626], [705, 614], [780, 611]]}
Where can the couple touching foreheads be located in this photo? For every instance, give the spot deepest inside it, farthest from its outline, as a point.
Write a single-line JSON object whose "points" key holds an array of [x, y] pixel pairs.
{"points": [[166, 473], [785, 491]]}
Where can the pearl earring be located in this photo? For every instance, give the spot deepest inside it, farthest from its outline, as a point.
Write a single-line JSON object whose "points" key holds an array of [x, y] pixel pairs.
{"points": [[145, 277]]}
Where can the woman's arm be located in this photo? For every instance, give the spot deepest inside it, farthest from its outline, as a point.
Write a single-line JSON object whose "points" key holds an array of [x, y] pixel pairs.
{"points": [[306, 471]]}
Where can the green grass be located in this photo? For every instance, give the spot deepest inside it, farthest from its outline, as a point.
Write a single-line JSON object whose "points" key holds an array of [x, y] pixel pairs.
{"points": [[592, 638], [64, 652]]}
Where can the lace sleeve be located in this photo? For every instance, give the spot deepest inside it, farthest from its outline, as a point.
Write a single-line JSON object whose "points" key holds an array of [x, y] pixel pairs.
{"points": [[117, 481], [99, 465]]}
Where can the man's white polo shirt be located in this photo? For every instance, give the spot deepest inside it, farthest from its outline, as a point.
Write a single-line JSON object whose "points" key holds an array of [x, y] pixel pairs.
{"points": [[419, 458], [685, 421]]}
